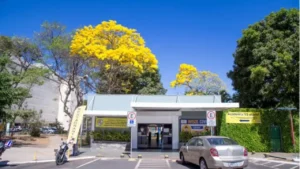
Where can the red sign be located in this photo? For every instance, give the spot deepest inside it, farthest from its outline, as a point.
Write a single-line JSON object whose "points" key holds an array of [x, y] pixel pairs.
{"points": [[211, 114], [131, 115]]}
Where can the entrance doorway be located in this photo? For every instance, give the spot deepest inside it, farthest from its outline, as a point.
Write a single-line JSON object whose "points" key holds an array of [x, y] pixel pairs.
{"points": [[154, 136]]}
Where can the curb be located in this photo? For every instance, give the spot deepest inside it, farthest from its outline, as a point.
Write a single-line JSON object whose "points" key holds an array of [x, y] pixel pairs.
{"points": [[262, 159], [283, 158], [43, 161]]}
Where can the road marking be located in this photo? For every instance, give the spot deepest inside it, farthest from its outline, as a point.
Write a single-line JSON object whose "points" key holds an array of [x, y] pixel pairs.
{"points": [[295, 167], [168, 164], [87, 163], [153, 164], [138, 164], [266, 163], [275, 161], [277, 165], [131, 159]]}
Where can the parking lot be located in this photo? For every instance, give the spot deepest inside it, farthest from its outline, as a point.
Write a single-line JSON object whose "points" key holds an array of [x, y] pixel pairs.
{"points": [[104, 163]]}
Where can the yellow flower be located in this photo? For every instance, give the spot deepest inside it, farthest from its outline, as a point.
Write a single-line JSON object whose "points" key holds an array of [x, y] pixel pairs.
{"points": [[107, 66], [113, 42]]}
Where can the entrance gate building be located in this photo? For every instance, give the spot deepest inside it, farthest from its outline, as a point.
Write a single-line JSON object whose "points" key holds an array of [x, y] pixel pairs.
{"points": [[158, 117]]}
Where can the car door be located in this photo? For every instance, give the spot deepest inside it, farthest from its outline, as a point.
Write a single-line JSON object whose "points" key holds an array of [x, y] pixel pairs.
{"points": [[198, 151], [189, 146]]}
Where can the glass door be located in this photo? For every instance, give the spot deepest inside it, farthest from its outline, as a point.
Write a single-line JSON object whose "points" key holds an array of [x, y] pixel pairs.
{"points": [[155, 136]]}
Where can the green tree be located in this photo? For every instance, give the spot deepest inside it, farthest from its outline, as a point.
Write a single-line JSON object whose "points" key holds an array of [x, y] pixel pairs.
{"points": [[266, 62], [68, 71], [225, 97], [198, 82], [149, 83], [18, 64], [6, 91]]}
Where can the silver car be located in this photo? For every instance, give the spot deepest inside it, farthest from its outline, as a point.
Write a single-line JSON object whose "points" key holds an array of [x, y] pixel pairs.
{"points": [[214, 152]]}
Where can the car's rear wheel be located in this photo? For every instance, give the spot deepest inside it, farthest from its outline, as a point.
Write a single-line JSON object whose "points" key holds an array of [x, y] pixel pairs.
{"points": [[202, 164], [182, 158]]}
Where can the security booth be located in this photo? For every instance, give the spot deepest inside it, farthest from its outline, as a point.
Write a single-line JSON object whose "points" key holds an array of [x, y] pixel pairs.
{"points": [[159, 118]]}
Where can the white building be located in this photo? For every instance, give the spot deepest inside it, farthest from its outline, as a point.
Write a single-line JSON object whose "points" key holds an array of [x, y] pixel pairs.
{"points": [[48, 99], [158, 117]]}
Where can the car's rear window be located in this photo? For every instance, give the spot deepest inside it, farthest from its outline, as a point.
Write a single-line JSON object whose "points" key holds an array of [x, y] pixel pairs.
{"points": [[221, 141]]}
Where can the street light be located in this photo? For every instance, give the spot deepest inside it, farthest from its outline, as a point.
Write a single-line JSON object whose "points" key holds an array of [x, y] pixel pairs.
{"points": [[291, 123]]}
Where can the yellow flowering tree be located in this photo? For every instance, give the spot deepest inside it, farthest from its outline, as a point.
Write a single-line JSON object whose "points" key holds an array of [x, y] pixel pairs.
{"points": [[117, 51], [197, 82]]}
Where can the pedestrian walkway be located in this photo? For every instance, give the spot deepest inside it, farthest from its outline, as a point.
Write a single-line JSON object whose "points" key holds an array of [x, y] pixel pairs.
{"points": [[152, 164]]}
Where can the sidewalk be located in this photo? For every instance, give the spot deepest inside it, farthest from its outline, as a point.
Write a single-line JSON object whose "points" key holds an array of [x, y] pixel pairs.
{"points": [[32, 152]]}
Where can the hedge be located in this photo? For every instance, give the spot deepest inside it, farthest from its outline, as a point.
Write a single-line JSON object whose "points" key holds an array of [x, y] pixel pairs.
{"points": [[257, 137], [111, 135]]}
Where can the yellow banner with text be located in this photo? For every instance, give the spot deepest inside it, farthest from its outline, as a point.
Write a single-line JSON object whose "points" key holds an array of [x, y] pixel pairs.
{"points": [[76, 123], [111, 122], [243, 117]]}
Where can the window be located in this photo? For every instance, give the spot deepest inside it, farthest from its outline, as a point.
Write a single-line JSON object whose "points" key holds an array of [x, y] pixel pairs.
{"points": [[221, 141], [192, 142], [199, 142]]}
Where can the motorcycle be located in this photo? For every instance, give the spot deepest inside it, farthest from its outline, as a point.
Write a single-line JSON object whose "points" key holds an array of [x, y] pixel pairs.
{"points": [[61, 154], [4, 145]]}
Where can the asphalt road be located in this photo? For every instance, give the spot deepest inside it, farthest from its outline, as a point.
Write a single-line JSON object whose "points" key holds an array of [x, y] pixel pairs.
{"points": [[143, 164]]}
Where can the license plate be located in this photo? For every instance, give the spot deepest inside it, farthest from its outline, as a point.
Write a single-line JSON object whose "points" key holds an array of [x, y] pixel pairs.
{"points": [[235, 164]]}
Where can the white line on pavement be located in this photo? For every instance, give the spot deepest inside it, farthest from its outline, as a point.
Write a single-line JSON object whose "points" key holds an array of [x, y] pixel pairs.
{"points": [[138, 164], [87, 163], [266, 163], [277, 165], [168, 163], [295, 167], [276, 161]]}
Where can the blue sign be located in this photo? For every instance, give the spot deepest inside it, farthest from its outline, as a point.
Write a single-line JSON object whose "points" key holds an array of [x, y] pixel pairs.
{"points": [[197, 127], [131, 122]]}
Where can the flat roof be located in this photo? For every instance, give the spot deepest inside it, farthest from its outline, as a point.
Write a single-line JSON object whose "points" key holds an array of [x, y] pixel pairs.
{"points": [[124, 103]]}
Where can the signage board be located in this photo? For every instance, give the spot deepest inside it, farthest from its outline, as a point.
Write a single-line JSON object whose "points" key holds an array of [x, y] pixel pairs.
{"points": [[211, 118], [76, 123], [110, 122], [131, 119], [193, 125], [243, 117]]}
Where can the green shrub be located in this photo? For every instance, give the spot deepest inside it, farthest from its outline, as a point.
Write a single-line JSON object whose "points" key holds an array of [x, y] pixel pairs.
{"points": [[88, 138], [111, 135], [35, 131], [257, 137]]}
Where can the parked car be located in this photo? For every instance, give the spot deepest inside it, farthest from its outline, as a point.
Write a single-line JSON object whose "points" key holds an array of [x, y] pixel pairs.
{"points": [[214, 152], [47, 130]]}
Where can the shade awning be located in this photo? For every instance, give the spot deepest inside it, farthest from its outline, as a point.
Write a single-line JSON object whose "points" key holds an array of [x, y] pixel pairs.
{"points": [[105, 113], [183, 106]]}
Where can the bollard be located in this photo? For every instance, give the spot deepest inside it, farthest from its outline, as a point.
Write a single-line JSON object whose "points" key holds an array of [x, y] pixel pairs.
{"points": [[34, 156], [139, 156]]}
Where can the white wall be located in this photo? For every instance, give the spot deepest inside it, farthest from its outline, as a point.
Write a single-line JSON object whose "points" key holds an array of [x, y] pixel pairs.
{"points": [[158, 117], [62, 117]]}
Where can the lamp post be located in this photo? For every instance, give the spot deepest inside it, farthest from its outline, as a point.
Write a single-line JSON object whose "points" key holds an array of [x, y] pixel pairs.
{"points": [[291, 123]]}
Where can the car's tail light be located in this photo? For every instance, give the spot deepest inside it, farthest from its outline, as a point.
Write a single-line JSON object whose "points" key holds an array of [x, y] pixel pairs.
{"points": [[245, 152], [214, 152]]}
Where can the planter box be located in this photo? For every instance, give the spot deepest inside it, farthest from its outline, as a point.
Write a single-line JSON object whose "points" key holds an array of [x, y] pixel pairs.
{"points": [[110, 145]]}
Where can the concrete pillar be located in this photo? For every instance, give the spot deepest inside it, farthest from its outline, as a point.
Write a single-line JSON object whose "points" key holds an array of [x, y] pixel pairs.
{"points": [[175, 133], [93, 128]]}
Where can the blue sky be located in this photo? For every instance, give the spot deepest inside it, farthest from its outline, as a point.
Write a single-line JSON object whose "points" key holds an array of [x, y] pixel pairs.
{"points": [[202, 33]]}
